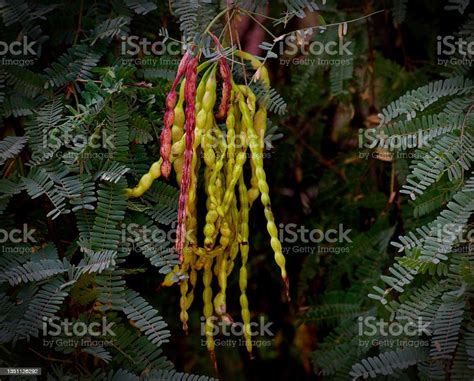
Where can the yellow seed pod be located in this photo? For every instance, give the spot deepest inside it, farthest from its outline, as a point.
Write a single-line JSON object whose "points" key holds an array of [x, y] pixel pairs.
{"points": [[201, 118], [177, 149], [155, 170], [208, 306], [177, 130], [201, 89], [260, 126], [215, 183], [184, 286], [244, 250], [261, 70], [229, 193], [178, 168], [251, 98], [253, 192], [234, 251], [265, 198], [220, 299], [226, 234], [208, 140], [230, 155], [192, 281], [146, 180], [171, 277]]}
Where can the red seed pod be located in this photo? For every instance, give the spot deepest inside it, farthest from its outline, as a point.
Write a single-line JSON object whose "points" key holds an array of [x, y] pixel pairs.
{"points": [[190, 99], [181, 69], [225, 73], [165, 138], [165, 148]]}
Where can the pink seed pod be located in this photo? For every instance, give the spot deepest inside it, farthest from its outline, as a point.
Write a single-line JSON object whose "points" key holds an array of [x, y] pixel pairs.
{"points": [[165, 138], [190, 124]]}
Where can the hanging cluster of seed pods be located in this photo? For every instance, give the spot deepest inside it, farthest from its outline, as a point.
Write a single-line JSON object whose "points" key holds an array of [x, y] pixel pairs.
{"points": [[198, 132]]}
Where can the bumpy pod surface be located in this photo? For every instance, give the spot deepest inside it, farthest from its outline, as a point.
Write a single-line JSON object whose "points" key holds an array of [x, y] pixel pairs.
{"points": [[198, 140], [190, 98], [165, 138]]}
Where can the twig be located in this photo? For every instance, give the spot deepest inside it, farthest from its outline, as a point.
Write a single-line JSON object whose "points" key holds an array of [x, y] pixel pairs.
{"points": [[79, 22], [136, 84], [49, 358]]}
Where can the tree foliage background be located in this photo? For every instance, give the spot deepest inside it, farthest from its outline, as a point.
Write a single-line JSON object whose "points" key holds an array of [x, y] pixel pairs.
{"points": [[81, 120]]}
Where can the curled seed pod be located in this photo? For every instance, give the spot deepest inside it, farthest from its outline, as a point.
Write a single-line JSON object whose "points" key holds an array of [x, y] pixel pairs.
{"points": [[190, 95], [146, 180], [244, 250]]}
